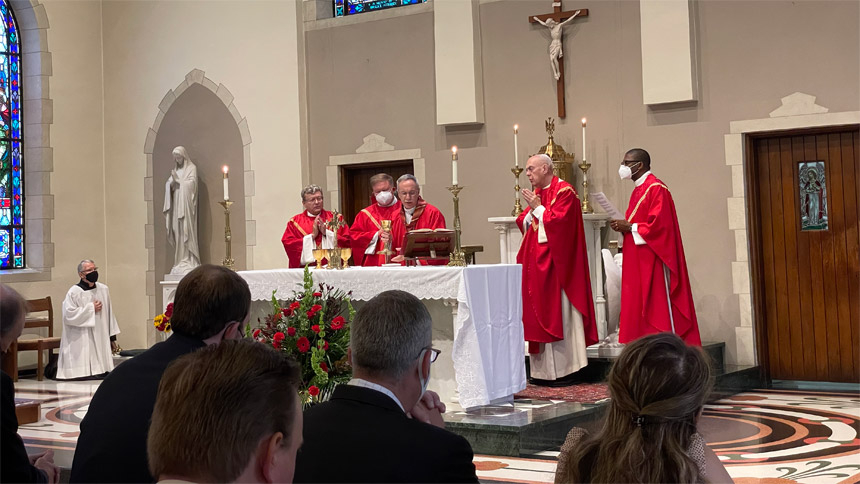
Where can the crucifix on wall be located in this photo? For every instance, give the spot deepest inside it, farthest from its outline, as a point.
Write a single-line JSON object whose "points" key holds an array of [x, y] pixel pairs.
{"points": [[555, 22]]}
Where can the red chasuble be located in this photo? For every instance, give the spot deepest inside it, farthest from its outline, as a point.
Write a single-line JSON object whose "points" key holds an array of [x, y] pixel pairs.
{"points": [[426, 216], [302, 224], [367, 223], [560, 263], [644, 305]]}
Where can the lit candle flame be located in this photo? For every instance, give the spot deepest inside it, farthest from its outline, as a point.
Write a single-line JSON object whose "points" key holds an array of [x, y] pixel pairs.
{"points": [[454, 150], [583, 122], [225, 169], [516, 128]]}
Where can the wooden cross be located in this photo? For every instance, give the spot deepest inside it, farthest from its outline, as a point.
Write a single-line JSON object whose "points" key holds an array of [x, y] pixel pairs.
{"points": [[560, 17]]}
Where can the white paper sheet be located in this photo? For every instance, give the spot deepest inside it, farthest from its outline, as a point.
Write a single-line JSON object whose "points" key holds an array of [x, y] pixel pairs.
{"points": [[607, 206]]}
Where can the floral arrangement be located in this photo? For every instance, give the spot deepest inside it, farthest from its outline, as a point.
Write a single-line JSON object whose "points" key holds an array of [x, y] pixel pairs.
{"points": [[162, 321], [311, 328]]}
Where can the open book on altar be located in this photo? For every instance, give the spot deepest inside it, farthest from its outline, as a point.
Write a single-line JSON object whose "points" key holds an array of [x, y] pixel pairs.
{"points": [[428, 244]]}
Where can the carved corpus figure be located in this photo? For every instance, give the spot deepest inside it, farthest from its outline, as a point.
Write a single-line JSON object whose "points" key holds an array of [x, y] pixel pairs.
{"points": [[180, 212], [555, 50]]}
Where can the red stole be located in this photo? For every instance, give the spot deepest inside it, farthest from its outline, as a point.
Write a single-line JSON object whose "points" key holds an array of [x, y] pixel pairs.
{"points": [[426, 216], [367, 223], [559, 264], [301, 225], [644, 308]]}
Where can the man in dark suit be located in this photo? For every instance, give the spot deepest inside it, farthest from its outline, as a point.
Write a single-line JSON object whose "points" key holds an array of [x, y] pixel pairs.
{"points": [[212, 304], [363, 427]]}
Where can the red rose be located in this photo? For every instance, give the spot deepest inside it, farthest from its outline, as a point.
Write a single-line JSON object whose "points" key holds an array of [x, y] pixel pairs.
{"points": [[324, 367], [313, 390], [316, 307], [303, 345], [287, 312], [338, 322], [256, 333], [317, 294], [168, 312], [315, 328], [295, 305], [291, 331], [325, 345], [277, 338]]}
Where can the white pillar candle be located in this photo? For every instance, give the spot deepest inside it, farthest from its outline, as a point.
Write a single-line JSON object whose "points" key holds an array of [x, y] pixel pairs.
{"points": [[583, 139], [516, 150], [226, 187], [454, 165]]}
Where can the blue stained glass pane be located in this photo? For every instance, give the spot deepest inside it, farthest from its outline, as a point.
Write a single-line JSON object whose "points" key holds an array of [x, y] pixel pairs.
{"points": [[362, 6], [5, 248], [12, 236], [5, 216]]}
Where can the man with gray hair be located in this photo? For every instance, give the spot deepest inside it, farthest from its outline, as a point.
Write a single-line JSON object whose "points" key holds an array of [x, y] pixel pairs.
{"points": [[415, 213], [307, 231], [391, 353], [89, 327]]}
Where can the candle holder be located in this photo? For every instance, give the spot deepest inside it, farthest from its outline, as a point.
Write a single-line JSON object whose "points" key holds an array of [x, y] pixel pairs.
{"points": [[586, 205], [518, 208], [228, 261], [458, 257]]}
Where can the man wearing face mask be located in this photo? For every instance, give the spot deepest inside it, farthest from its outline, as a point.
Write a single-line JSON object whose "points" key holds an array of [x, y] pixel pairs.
{"points": [[89, 327], [212, 304], [366, 232], [655, 287], [391, 354], [308, 231], [415, 213]]}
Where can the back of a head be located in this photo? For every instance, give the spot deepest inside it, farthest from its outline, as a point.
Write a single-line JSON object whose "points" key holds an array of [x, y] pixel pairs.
{"points": [[214, 407], [388, 334], [658, 386], [207, 299], [13, 309]]}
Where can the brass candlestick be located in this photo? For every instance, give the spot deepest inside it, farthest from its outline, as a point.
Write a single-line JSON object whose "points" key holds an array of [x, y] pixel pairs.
{"points": [[458, 257], [586, 205], [518, 209], [228, 261]]}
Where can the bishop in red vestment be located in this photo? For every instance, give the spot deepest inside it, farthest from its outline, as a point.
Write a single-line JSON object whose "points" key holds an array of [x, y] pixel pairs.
{"points": [[558, 309], [368, 238], [307, 231], [655, 287], [415, 213]]}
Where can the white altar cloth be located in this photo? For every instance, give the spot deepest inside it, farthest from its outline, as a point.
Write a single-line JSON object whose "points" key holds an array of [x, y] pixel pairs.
{"points": [[488, 330]]}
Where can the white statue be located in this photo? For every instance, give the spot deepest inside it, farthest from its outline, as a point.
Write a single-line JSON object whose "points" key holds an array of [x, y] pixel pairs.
{"points": [[555, 52], [180, 211]]}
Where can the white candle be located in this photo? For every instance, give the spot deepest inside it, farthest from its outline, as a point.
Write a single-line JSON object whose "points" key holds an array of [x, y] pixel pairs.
{"points": [[516, 151], [583, 139], [226, 187], [454, 165]]}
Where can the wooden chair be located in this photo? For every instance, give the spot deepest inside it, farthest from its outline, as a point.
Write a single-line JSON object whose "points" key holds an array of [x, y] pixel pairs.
{"points": [[39, 344]]}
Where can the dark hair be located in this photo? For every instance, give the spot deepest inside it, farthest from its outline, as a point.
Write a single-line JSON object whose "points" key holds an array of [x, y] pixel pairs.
{"points": [[216, 404], [207, 299], [641, 155], [13, 308], [658, 387]]}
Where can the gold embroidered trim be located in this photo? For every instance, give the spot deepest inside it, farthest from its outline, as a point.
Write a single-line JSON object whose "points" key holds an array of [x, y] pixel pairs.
{"points": [[292, 221], [632, 214], [371, 218]]}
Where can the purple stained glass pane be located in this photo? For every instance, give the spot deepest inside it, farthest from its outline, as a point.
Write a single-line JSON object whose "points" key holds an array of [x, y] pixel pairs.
{"points": [[12, 235]]}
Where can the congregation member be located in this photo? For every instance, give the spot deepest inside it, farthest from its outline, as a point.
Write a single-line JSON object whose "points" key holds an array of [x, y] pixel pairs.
{"points": [[212, 304], [391, 354], [658, 388], [227, 413], [558, 309], [655, 287], [89, 328], [17, 465], [368, 238], [307, 230], [415, 213]]}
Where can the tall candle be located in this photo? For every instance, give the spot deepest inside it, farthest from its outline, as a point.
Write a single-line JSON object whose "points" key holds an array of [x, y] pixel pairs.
{"points": [[226, 187], [583, 139], [516, 151], [454, 165]]}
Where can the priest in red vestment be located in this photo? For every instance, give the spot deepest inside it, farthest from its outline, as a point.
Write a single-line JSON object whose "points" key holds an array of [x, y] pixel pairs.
{"points": [[307, 231], [655, 287], [368, 238], [558, 309], [415, 213]]}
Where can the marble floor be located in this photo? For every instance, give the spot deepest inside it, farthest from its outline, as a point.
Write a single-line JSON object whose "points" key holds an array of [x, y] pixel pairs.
{"points": [[762, 436]]}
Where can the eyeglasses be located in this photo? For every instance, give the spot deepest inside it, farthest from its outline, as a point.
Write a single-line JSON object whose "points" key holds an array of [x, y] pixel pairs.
{"points": [[315, 199], [434, 353]]}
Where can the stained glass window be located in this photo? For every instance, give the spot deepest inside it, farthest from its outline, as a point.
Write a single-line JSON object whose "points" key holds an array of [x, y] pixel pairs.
{"points": [[813, 195], [352, 7], [11, 145]]}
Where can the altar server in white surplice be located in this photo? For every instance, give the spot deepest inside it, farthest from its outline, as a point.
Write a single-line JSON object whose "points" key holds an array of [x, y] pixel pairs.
{"points": [[88, 326]]}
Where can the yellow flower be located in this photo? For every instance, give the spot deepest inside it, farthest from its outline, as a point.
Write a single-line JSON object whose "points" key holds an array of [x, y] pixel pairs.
{"points": [[158, 319]]}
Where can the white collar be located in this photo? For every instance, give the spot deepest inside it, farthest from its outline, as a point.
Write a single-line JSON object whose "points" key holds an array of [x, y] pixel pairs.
{"points": [[642, 178], [312, 215], [410, 211], [358, 382]]}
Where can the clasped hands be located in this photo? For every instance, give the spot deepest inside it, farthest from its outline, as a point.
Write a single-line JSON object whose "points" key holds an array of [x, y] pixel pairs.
{"points": [[622, 226], [319, 227], [531, 198]]}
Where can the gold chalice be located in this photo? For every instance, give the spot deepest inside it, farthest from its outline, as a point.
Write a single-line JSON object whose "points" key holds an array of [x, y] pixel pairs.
{"points": [[345, 254], [319, 255]]}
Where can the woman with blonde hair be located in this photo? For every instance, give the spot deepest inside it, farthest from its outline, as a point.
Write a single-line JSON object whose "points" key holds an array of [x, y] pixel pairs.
{"points": [[658, 386]]}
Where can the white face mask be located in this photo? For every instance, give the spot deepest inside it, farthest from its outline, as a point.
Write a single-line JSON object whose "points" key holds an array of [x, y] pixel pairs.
{"points": [[384, 198], [625, 172]]}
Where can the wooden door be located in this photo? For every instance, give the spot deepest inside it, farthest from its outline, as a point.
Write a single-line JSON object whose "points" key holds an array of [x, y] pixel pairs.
{"points": [[804, 206], [355, 183]]}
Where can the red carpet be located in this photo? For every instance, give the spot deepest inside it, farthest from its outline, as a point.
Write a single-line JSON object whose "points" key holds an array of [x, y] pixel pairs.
{"points": [[582, 393]]}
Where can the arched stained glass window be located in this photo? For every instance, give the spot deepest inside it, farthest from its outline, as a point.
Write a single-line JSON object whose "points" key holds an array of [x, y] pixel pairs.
{"points": [[11, 145]]}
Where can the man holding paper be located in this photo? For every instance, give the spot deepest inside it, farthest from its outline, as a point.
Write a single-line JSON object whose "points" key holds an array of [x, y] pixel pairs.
{"points": [[558, 309], [308, 230], [655, 287]]}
